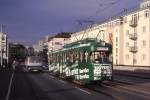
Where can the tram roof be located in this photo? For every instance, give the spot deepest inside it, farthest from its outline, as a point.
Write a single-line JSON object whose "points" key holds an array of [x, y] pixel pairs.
{"points": [[88, 40], [83, 43]]}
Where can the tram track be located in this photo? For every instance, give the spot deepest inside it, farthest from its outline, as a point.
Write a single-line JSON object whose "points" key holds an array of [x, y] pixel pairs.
{"points": [[127, 87], [116, 89], [95, 88], [134, 80], [98, 89]]}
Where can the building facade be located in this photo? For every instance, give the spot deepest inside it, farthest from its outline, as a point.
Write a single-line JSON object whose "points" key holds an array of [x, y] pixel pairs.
{"points": [[3, 49], [129, 34], [36, 48], [41, 45], [17, 52], [58, 41]]}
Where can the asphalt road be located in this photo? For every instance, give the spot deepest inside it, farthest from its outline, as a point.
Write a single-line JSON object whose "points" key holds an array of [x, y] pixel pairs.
{"points": [[5, 75], [20, 85]]}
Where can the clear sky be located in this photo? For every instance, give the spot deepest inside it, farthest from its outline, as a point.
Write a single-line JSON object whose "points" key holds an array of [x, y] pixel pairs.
{"points": [[27, 21]]}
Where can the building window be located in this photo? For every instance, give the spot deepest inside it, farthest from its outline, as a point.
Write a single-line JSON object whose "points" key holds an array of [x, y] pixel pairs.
{"points": [[116, 51], [135, 17], [127, 32], [116, 61], [135, 61], [146, 13], [138, 16], [116, 41], [127, 57], [144, 43], [144, 29], [3, 37], [125, 19], [143, 56], [127, 44]]}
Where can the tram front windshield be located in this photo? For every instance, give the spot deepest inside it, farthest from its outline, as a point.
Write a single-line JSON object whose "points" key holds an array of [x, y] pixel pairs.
{"points": [[102, 57]]}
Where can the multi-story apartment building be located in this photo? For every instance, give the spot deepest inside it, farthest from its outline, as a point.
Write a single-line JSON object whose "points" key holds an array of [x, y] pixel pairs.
{"points": [[58, 41], [129, 35]]}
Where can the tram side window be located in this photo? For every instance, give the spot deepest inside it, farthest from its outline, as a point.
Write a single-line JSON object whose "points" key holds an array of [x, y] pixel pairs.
{"points": [[64, 57], [92, 56], [71, 57], [60, 58], [74, 56], [56, 58], [81, 56], [78, 56], [51, 59], [86, 56], [67, 57]]}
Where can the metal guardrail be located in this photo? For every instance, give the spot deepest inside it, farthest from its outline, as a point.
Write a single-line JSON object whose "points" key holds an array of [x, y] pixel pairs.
{"points": [[133, 23], [133, 36], [133, 49]]}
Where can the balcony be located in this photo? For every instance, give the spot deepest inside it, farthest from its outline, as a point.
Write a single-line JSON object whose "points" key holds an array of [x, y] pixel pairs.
{"points": [[133, 36], [133, 49], [133, 23]]}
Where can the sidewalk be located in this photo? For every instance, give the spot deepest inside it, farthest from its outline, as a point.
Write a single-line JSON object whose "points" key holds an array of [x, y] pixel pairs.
{"points": [[131, 68]]}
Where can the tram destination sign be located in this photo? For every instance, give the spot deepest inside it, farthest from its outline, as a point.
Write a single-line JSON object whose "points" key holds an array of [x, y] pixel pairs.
{"points": [[102, 48]]}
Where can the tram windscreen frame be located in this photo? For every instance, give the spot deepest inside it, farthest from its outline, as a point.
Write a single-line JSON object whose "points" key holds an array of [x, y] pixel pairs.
{"points": [[102, 57]]}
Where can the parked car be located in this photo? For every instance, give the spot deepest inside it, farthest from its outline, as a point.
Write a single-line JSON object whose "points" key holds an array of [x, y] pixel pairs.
{"points": [[33, 63]]}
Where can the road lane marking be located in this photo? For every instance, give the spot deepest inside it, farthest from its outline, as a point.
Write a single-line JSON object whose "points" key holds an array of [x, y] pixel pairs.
{"points": [[9, 88], [87, 92]]}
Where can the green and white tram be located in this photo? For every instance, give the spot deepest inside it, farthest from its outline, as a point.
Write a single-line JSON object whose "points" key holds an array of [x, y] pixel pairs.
{"points": [[84, 61]]}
